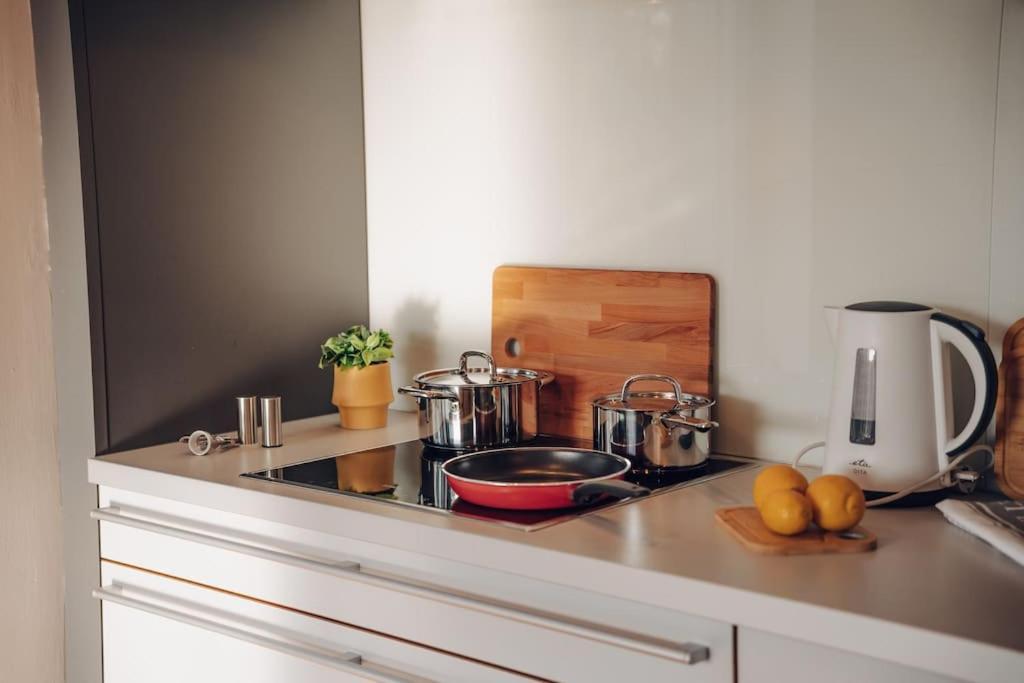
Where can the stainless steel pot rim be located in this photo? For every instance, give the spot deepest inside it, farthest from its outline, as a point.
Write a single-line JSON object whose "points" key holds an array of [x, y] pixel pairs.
{"points": [[501, 377], [626, 466], [489, 376], [686, 402]]}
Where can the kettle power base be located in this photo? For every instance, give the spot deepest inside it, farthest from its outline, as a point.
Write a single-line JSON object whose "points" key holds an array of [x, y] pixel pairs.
{"points": [[745, 525]]}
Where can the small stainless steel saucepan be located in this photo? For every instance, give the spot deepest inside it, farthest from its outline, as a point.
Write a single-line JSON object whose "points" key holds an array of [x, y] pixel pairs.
{"points": [[465, 408], [654, 429]]}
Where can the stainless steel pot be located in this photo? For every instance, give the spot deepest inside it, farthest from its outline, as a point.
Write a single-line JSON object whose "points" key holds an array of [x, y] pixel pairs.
{"points": [[467, 407], [654, 429]]}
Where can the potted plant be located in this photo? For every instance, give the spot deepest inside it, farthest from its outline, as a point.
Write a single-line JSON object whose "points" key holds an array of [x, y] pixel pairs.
{"points": [[362, 376]]}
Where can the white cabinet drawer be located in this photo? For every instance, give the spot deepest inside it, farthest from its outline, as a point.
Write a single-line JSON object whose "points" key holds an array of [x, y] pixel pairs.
{"points": [[765, 656], [161, 630], [546, 631]]}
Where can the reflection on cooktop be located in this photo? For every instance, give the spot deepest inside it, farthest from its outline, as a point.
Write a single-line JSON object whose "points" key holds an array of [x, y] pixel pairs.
{"points": [[410, 474]]}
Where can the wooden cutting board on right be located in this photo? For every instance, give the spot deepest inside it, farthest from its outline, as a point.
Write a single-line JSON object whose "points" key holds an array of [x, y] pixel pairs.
{"points": [[745, 524], [1009, 447]]}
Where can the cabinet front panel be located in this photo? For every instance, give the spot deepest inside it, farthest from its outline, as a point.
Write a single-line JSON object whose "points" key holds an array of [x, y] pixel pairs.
{"points": [[765, 656], [531, 628]]}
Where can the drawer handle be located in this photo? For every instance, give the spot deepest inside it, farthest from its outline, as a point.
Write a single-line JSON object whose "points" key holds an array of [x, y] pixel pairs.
{"points": [[684, 653], [350, 662]]}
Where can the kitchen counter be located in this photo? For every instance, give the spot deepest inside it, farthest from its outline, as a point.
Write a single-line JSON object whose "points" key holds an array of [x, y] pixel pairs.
{"points": [[931, 596]]}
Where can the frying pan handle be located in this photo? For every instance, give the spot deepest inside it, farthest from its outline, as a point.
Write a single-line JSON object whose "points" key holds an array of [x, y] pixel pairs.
{"points": [[616, 488]]}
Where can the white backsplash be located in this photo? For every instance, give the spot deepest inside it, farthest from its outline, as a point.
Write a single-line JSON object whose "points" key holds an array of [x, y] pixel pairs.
{"points": [[803, 153]]}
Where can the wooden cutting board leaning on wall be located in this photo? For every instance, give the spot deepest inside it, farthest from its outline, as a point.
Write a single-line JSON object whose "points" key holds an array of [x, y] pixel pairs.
{"points": [[595, 328], [1009, 447]]}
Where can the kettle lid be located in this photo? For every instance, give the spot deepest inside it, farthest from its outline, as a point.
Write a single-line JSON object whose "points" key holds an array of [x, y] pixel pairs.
{"points": [[887, 307]]}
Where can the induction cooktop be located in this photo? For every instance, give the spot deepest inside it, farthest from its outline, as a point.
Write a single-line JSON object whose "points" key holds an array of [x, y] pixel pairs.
{"points": [[409, 474]]}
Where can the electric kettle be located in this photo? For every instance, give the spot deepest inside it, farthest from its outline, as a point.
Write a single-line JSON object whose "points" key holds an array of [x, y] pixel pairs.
{"points": [[891, 413]]}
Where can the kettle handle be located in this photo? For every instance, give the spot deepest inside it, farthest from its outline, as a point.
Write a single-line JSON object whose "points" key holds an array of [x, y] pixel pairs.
{"points": [[969, 340]]}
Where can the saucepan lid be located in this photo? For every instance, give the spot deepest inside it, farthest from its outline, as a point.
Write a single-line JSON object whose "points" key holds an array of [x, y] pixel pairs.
{"points": [[652, 401], [490, 376]]}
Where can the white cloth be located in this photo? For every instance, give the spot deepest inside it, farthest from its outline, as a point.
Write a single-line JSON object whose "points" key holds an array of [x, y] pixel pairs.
{"points": [[974, 519]]}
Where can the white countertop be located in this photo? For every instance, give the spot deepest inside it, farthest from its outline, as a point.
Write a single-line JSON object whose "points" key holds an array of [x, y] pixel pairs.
{"points": [[931, 596]]}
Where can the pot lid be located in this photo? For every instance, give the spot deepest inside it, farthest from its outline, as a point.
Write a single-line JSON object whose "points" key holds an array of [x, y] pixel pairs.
{"points": [[652, 401], [480, 377]]}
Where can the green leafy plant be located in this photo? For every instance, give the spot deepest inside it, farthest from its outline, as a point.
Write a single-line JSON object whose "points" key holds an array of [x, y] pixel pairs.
{"points": [[357, 347]]}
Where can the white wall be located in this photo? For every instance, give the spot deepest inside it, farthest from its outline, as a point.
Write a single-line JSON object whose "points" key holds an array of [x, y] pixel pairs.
{"points": [[804, 153], [1007, 298]]}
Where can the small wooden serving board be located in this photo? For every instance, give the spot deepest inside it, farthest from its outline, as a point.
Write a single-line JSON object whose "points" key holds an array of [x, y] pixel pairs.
{"points": [[745, 524]]}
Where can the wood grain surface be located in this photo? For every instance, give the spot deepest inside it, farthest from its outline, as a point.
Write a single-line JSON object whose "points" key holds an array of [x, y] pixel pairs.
{"points": [[746, 526], [595, 328], [1009, 449]]}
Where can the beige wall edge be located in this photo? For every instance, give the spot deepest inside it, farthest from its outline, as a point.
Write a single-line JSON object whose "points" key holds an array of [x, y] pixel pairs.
{"points": [[71, 340], [31, 586]]}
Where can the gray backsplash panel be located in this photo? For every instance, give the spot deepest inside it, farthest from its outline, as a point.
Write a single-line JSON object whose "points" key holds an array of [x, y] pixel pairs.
{"points": [[223, 150]]}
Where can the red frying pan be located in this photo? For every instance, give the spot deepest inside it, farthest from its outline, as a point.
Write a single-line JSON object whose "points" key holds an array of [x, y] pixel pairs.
{"points": [[539, 478]]}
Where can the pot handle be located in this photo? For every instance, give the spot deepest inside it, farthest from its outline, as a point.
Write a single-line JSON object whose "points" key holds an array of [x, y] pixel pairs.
{"points": [[694, 423], [431, 395], [616, 488], [464, 361], [653, 378]]}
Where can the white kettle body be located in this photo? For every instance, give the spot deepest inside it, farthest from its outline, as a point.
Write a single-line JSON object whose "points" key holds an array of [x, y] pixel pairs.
{"points": [[891, 412]]}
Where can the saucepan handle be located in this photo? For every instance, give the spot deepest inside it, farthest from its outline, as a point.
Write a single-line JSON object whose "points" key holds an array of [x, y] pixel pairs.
{"points": [[616, 488], [695, 423], [545, 378], [430, 394]]}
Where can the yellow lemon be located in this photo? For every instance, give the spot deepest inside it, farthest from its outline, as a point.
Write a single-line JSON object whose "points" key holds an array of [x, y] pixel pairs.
{"points": [[837, 501], [786, 512], [777, 478]]}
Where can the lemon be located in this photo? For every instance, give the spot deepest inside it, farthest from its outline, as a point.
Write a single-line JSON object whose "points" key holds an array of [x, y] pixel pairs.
{"points": [[837, 501], [777, 478], [786, 512]]}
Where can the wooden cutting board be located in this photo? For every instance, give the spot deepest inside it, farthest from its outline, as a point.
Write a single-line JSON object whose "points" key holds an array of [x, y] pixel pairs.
{"points": [[595, 328], [745, 524], [1009, 448]]}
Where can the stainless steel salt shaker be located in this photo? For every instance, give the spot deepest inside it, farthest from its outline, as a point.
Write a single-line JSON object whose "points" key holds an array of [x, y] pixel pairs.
{"points": [[246, 419], [270, 416]]}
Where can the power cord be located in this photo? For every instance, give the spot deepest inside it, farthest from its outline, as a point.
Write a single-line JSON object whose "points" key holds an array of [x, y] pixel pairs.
{"points": [[910, 489], [805, 450]]}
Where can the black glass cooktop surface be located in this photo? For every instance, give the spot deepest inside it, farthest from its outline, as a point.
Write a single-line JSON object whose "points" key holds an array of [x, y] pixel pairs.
{"points": [[410, 474]]}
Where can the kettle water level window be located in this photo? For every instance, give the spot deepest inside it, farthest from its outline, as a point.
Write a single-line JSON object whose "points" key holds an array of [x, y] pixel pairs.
{"points": [[862, 412]]}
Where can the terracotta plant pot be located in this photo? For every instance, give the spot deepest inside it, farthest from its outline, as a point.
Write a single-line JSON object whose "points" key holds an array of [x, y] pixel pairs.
{"points": [[363, 395]]}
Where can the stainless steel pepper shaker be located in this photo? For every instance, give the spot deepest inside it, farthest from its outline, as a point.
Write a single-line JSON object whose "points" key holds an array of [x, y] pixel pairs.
{"points": [[246, 419], [270, 416]]}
